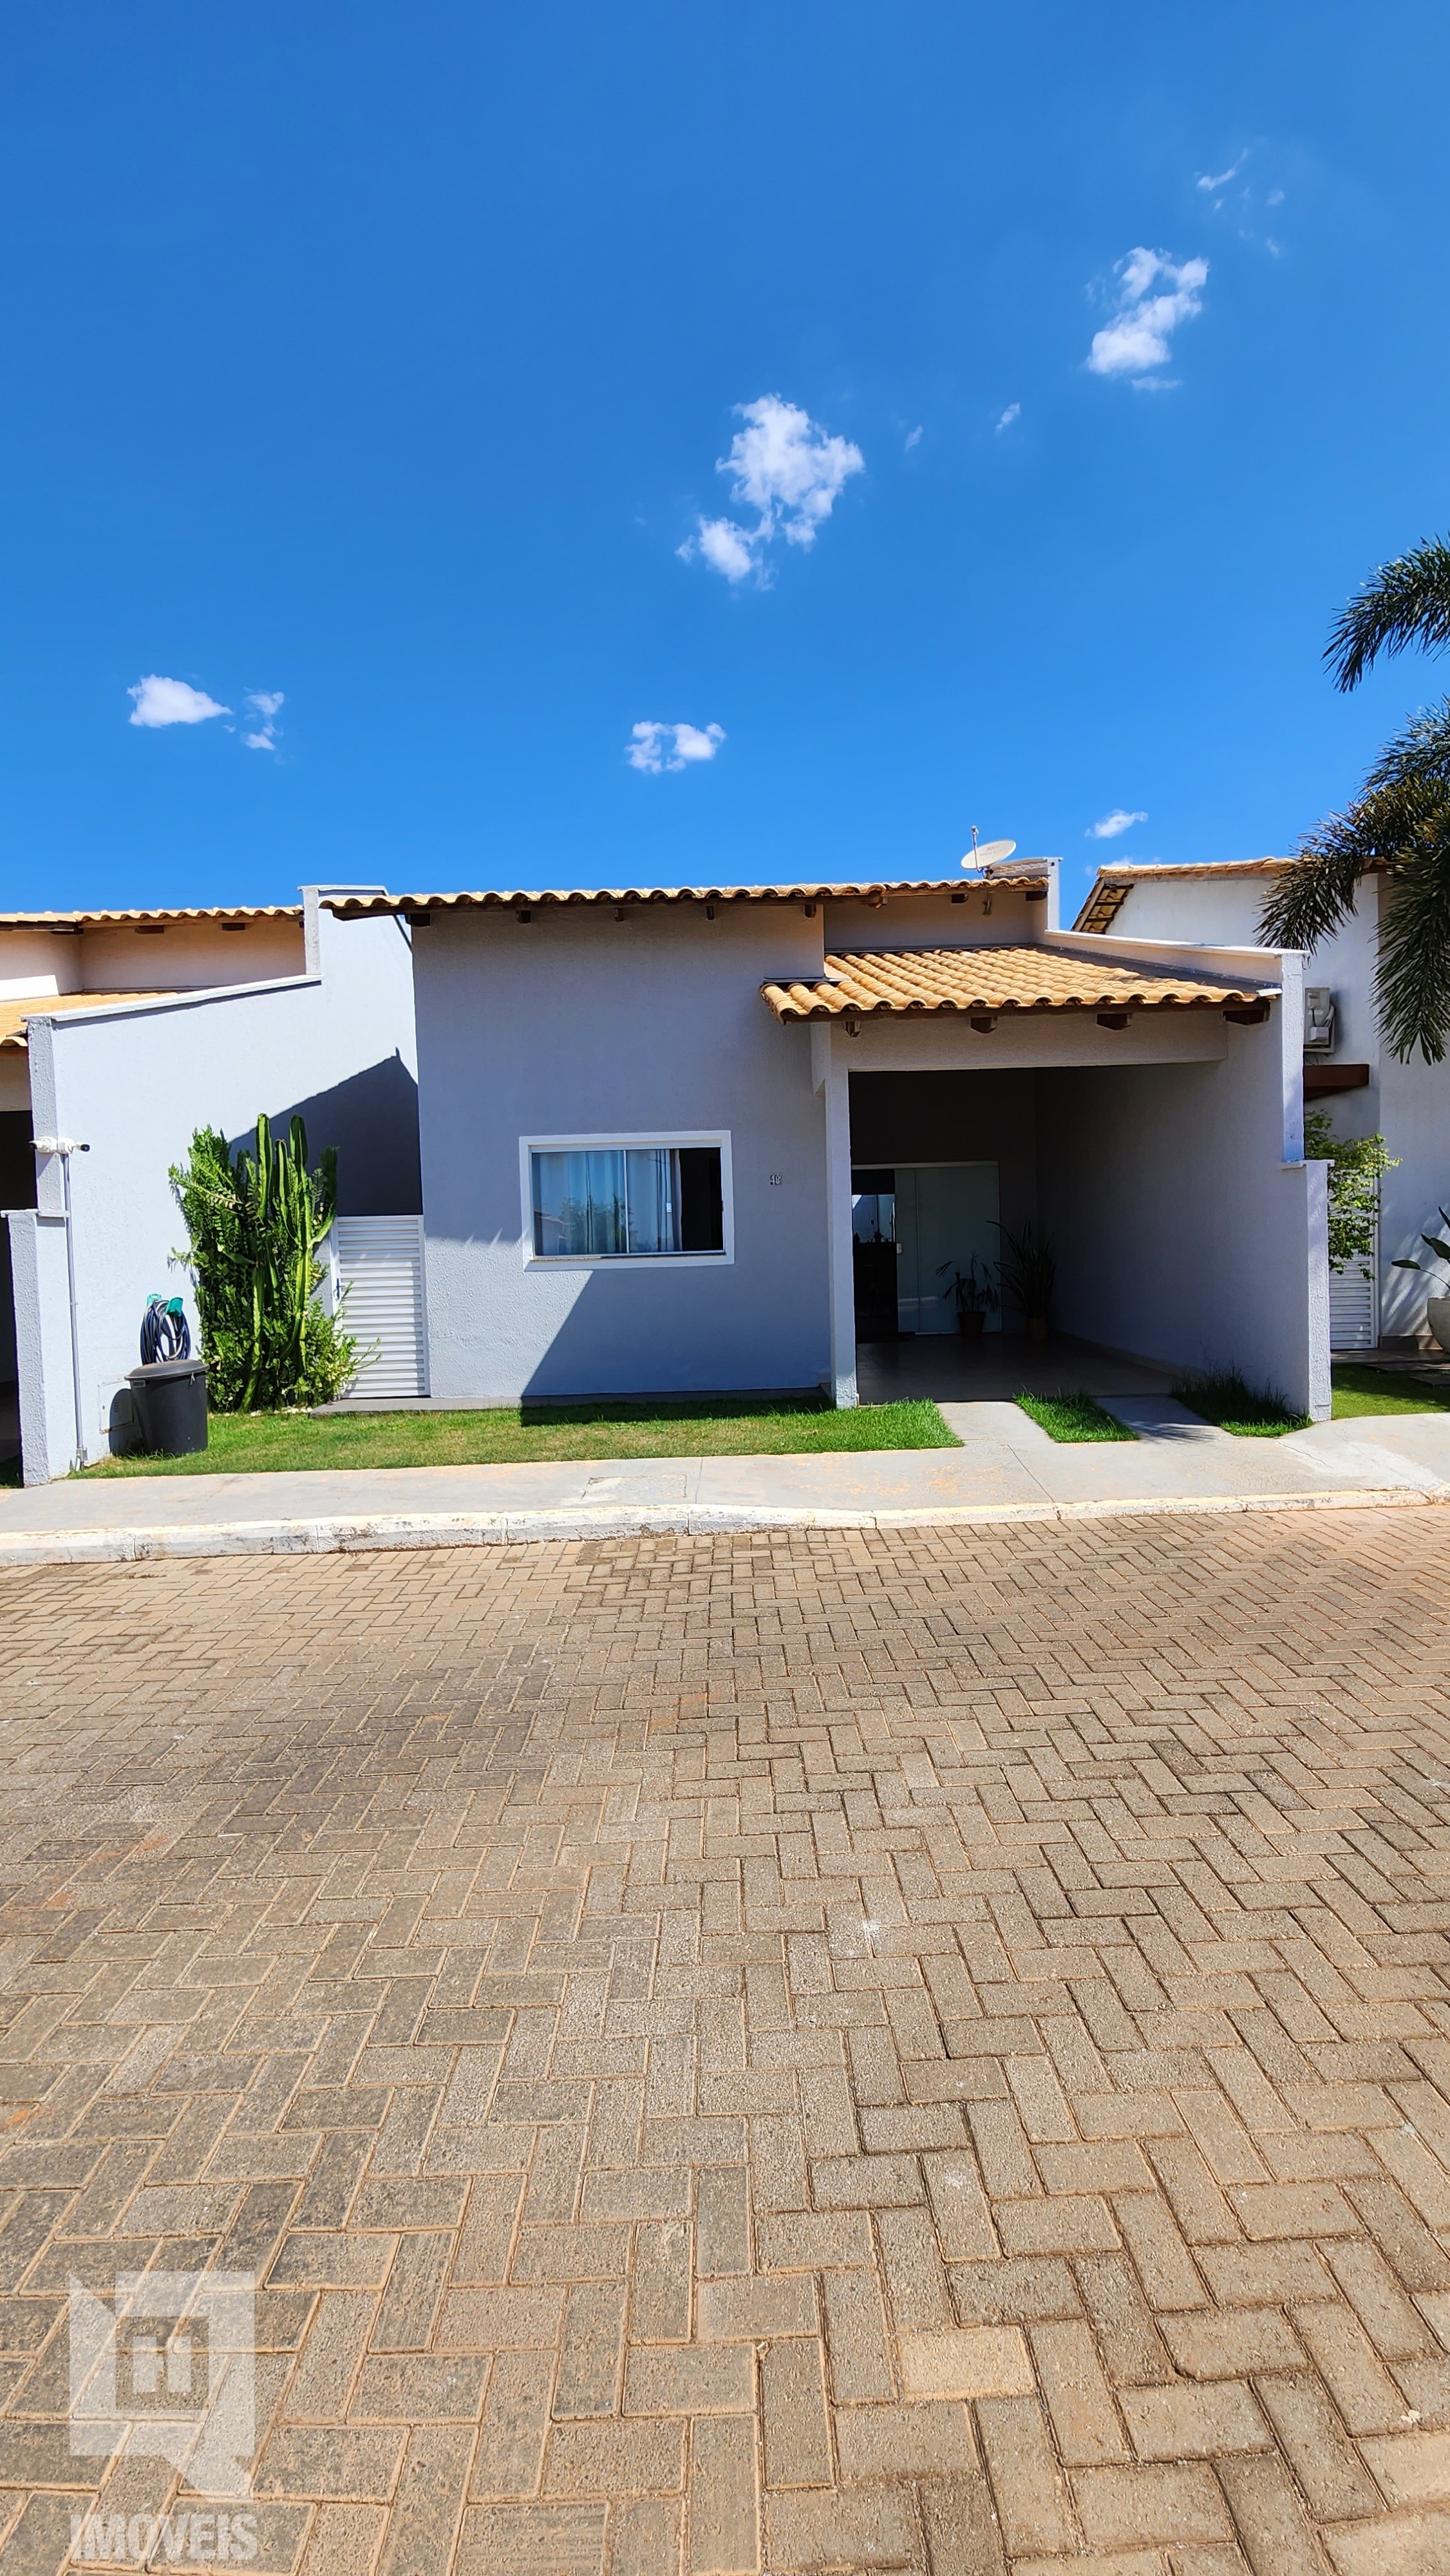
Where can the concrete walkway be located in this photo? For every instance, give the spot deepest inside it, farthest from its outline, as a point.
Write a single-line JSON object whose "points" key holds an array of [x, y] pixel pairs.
{"points": [[1007, 1469]]}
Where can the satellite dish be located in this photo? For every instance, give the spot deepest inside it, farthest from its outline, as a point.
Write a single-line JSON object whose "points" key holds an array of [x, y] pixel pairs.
{"points": [[990, 854]]}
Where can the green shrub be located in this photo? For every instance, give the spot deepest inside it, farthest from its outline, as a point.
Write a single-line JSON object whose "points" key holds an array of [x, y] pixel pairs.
{"points": [[1223, 1396], [255, 1225], [1356, 1164]]}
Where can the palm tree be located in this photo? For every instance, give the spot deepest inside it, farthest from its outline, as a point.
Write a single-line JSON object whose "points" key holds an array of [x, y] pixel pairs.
{"points": [[1399, 823]]}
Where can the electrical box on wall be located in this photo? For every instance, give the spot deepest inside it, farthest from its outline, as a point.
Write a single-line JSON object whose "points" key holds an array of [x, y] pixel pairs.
{"points": [[1319, 1017]]}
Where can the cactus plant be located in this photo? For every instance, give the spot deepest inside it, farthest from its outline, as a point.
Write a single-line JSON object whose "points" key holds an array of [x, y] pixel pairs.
{"points": [[256, 1223]]}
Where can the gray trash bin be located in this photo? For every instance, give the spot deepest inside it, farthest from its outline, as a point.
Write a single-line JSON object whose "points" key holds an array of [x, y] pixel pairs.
{"points": [[170, 1401]]}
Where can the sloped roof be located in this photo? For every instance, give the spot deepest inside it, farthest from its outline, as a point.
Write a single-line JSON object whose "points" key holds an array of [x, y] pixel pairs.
{"points": [[496, 899], [897, 982], [17, 1009], [1114, 883], [159, 914]]}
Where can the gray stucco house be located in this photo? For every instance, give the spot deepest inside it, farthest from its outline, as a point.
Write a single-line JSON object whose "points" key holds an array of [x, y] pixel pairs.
{"points": [[655, 1124]]}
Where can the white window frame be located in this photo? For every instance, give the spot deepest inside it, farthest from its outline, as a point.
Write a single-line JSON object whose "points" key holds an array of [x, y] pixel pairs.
{"points": [[617, 1140]]}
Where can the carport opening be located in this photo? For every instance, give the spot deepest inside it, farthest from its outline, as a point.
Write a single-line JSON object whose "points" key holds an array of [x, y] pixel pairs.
{"points": [[941, 1165]]}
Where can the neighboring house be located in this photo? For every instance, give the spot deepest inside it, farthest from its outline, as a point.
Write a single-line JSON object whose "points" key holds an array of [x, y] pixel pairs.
{"points": [[1347, 1068], [121, 1033], [656, 1124]]}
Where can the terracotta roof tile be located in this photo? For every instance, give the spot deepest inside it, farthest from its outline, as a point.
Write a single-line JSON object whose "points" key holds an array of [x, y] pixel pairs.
{"points": [[900, 981], [869, 890], [161, 914]]}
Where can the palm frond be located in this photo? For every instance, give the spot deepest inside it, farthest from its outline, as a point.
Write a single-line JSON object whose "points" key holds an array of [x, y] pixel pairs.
{"points": [[1398, 826], [1406, 602], [1412, 977]]}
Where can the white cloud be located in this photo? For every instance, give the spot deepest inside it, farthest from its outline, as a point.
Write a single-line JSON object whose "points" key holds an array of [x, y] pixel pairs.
{"points": [[1225, 178], [725, 546], [1120, 820], [1012, 412], [913, 439], [169, 702], [263, 703], [1154, 297], [789, 472], [657, 747]]}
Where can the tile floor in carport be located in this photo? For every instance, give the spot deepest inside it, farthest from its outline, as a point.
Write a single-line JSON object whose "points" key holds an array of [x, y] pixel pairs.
{"points": [[808, 2052]]}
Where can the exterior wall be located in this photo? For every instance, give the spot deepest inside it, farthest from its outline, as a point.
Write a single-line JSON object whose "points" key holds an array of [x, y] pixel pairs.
{"points": [[577, 1024], [1409, 1104], [185, 956], [1188, 1228], [989, 916], [133, 1084], [43, 1350]]}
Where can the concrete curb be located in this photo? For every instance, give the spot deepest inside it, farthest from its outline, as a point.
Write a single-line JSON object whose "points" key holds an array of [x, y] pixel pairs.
{"points": [[513, 1529]]}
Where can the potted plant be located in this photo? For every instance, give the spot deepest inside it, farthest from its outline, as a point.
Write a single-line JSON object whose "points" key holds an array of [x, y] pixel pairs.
{"points": [[974, 1294], [1028, 1273], [1437, 1309]]}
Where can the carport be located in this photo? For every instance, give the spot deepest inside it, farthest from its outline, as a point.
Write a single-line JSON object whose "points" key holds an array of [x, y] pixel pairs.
{"points": [[1144, 1111]]}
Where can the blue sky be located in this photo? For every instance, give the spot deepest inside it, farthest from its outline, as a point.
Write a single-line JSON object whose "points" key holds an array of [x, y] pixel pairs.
{"points": [[377, 362]]}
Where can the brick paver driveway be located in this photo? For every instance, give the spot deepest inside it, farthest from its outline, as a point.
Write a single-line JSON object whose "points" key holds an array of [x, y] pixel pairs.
{"points": [[811, 2053]]}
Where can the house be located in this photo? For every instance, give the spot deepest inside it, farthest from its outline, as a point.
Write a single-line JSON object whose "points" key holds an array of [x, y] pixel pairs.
{"points": [[1347, 1068], [656, 1121], [120, 1034]]}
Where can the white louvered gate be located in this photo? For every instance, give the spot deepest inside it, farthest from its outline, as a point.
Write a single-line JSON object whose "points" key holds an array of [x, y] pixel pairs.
{"points": [[379, 1261], [1354, 1323]]}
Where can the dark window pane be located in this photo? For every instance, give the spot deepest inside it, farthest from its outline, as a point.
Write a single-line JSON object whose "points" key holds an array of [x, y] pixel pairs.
{"points": [[702, 1206]]}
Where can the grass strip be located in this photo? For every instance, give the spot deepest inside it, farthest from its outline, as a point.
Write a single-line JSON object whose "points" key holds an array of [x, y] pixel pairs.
{"points": [[684, 1427], [1223, 1396], [1079, 1416], [1360, 1391]]}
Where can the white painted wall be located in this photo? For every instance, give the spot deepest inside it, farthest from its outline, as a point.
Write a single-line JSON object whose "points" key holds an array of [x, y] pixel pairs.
{"points": [[576, 1023], [133, 1084], [1409, 1104], [998, 915], [1186, 1224], [184, 956]]}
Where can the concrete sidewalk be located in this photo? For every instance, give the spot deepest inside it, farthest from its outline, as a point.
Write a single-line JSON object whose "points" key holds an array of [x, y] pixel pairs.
{"points": [[1007, 1469]]}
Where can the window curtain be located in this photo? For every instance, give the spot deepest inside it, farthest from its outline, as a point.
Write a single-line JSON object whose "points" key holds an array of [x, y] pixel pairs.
{"points": [[579, 1204], [653, 1188]]}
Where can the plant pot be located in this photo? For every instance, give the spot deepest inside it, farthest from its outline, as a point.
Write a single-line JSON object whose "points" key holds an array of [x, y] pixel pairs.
{"points": [[1437, 1316], [1037, 1328], [971, 1323]]}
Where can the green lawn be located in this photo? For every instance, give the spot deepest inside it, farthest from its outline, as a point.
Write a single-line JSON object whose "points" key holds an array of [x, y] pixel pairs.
{"points": [[1371, 1390], [1074, 1417], [245, 1443]]}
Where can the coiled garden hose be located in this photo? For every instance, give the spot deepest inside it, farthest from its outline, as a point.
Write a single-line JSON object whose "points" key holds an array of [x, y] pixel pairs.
{"points": [[165, 1334]]}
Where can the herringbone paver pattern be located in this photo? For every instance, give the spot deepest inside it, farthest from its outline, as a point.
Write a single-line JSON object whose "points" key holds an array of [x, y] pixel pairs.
{"points": [[813, 2053]]}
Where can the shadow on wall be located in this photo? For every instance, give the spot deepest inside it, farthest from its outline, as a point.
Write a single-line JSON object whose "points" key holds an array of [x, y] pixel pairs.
{"points": [[9, 1366], [631, 1332], [372, 1119], [17, 1160]]}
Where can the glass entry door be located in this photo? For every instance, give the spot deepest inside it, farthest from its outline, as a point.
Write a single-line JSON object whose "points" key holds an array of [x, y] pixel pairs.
{"points": [[946, 1213]]}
